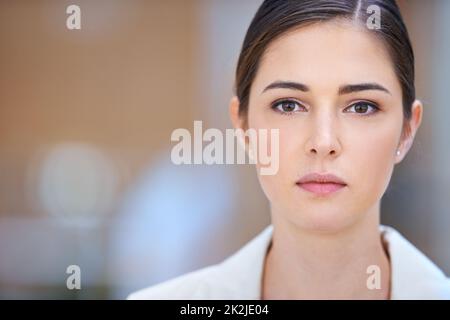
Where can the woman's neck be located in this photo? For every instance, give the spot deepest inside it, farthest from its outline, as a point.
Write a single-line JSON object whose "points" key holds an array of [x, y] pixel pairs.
{"points": [[309, 265]]}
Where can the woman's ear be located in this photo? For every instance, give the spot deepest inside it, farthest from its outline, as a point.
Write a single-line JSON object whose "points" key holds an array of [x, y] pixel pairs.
{"points": [[240, 122], [236, 120], [410, 130]]}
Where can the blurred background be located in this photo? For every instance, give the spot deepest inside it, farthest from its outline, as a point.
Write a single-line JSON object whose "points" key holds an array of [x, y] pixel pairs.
{"points": [[85, 123]]}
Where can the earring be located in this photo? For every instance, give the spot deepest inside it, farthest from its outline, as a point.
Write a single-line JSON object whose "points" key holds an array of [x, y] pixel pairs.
{"points": [[398, 152]]}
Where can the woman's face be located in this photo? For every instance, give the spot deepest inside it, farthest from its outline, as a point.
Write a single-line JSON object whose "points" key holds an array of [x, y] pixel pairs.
{"points": [[332, 123]]}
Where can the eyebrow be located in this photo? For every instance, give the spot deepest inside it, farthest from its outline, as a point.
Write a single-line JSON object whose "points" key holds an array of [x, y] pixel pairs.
{"points": [[345, 89]]}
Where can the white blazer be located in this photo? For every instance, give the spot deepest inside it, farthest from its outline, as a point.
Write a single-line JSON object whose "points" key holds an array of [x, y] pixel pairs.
{"points": [[413, 275]]}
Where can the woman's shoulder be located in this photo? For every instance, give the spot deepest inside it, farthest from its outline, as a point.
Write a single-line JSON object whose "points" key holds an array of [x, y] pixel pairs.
{"points": [[414, 275], [236, 277], [191, 285]]}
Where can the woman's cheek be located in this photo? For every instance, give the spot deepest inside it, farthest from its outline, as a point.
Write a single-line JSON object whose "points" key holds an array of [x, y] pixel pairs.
{"points": [[373, 165], [277, 187]]}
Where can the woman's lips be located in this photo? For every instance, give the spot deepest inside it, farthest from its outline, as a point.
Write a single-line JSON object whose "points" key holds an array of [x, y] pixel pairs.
{"points": [[320, 188]]}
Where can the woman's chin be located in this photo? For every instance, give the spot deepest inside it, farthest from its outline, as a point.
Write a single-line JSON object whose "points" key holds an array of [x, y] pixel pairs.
{"points": [[324, 222]]}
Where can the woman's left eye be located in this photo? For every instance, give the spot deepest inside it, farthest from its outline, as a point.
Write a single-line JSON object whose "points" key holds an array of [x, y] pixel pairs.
{"points": [[362, 107]]}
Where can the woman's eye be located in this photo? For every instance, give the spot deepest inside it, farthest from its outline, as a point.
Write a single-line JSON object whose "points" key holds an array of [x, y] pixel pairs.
{"points": [[363, 107], [287, 106]]}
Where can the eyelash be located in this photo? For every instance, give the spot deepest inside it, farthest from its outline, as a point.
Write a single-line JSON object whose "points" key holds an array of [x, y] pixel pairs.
{"points": [[275, 104]]}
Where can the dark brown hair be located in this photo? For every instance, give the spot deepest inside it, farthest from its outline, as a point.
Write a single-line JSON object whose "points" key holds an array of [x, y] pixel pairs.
{"points": [[276, 17]]}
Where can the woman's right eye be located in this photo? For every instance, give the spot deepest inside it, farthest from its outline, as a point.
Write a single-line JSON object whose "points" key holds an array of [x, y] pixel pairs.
{"points": [[287, 106]]}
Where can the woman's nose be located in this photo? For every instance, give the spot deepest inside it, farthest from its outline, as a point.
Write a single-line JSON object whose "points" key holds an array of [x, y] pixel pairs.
{"points": [[324, 138]]}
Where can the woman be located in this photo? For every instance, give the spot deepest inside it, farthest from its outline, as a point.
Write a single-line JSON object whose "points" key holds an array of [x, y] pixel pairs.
{"points": [[336, 78]]}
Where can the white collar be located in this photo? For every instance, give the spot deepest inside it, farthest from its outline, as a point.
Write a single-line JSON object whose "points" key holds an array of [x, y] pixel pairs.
{"points": [[413, 275]]}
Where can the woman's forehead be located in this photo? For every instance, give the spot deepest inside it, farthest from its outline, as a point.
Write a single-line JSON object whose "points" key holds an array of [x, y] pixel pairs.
{"points": [[338, 52]]}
